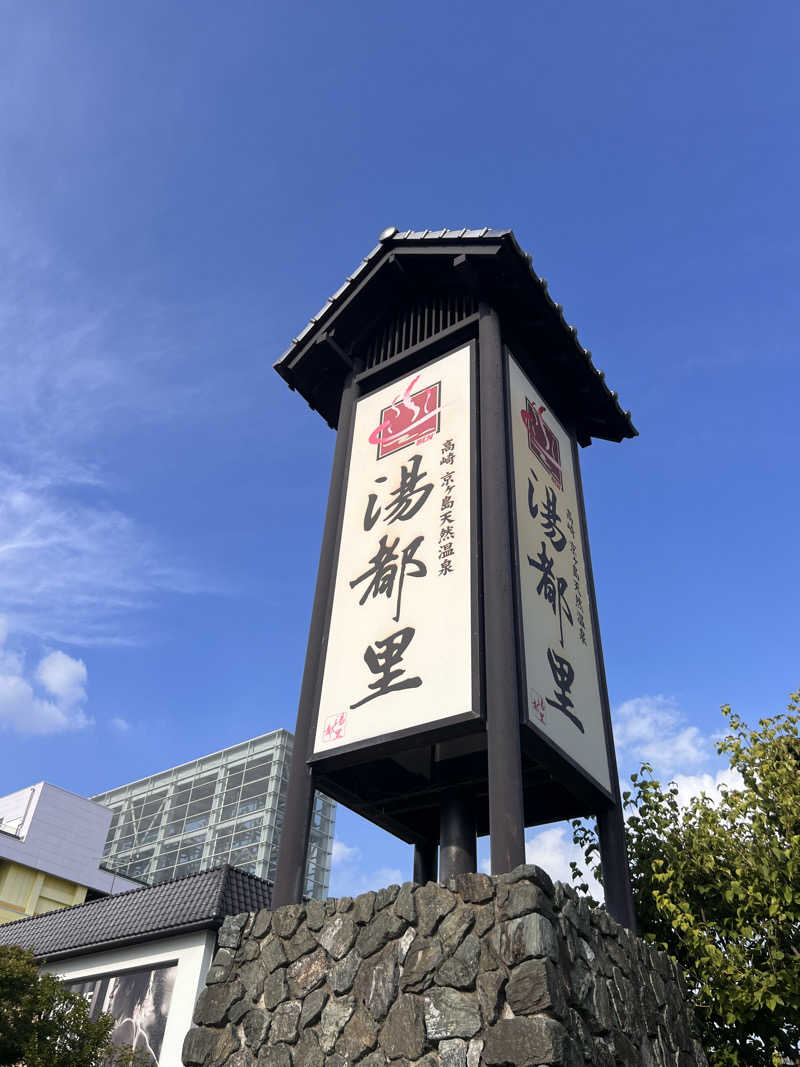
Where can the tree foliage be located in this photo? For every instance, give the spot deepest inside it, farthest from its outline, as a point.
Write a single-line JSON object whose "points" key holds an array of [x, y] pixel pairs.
{"points": [[43, 1024], [718, 885]]}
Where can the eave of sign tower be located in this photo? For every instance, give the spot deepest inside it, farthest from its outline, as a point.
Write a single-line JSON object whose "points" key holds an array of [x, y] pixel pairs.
{"points": [[417, 286]]}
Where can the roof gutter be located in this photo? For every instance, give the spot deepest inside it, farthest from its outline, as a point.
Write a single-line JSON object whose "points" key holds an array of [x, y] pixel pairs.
{"points": [[134, 939]]}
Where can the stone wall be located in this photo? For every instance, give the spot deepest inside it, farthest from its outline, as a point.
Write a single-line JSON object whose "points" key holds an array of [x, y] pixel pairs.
{"points": [[506, 970]]}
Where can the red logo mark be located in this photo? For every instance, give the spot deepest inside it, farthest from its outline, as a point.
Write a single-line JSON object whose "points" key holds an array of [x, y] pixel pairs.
{"points": [[537, 706], [335, 726], [542, 441], [412, 418]]}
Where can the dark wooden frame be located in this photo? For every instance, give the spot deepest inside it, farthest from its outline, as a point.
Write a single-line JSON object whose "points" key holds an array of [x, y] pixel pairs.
{"points": [[440, 729]]}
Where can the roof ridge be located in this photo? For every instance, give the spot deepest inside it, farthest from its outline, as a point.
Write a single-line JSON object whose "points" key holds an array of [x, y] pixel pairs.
{"points": [[130, 892]]}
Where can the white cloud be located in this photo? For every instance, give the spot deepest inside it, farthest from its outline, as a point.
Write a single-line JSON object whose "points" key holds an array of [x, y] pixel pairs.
{"points": [[552, 849], [652, 729], [63, 677], [692, 785], [349, 876], [343, 853], [24, 710], [120, 725]]}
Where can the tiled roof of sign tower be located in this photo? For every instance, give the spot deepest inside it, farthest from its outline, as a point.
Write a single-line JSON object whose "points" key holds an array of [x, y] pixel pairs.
{"points": [[196, 902], [491, 264]]}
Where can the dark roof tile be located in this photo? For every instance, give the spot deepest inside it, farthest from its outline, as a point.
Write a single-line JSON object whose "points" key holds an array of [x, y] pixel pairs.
{"points": [[195, 901]]}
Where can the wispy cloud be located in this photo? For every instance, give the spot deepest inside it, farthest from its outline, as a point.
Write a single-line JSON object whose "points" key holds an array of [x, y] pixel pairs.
{"points": [[71, 571], [652, 729], [74, 567]]}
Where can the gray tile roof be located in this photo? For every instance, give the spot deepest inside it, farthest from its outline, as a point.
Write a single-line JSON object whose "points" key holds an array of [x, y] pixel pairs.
{"points": [[198, 901], [517, 285]]}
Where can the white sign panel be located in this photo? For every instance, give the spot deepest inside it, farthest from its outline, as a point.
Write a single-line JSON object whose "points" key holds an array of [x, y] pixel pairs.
{"points": [[399, 653], [563, 693]]}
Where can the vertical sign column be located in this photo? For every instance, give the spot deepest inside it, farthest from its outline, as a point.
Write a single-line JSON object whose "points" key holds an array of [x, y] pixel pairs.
{"points": [[562, 690], [400, 647]]}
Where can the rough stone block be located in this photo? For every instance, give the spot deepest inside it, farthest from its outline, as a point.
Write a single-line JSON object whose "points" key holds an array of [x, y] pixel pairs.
{"points": [[342, 975], [449, 1013], [404, 905], [461, 969], [300, 944], [286, 919], [285, 1021], [474, 888], [276, 989], [307, 973], [374, 1059], [312, 1008], [530, 872], [307, 1053], [334, 1016], [243, 1058], [385, 897], [453, 1053], [338, 936], [215, 1001], [275, 1056], [198, 1046], [230, 933], [521, 898], [377, 982], [364, 908], [315, 914], [252, 976], [384, 927], [484, 919], [528, 936], [248, 950], [360, 1034], [433, 903], [402, 1036], [455, 927], [272, 952], [227, 1043], [255, 1027], [535, 986], [489, 985], [422, 959], [533, 1039]]}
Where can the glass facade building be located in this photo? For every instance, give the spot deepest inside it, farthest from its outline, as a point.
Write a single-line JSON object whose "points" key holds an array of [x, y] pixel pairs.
{"points": [[224, 808]]}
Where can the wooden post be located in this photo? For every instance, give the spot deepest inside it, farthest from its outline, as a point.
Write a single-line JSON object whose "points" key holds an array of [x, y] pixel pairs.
{"points": [[289, 877], [506, 820]]}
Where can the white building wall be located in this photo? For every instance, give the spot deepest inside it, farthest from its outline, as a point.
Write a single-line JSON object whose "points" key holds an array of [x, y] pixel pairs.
{"points": [[191, 953]]}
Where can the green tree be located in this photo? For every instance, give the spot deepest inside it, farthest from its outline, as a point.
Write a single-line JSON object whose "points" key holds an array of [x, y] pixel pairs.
{"points": [[718, 885], [43, 1024]]}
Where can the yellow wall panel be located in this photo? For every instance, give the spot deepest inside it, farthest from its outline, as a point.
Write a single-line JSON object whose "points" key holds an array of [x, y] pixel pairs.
{"points": [[24, 891]]}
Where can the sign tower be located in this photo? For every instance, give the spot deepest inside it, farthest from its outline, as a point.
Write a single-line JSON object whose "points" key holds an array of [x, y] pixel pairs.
{"points": [[454, 682]]}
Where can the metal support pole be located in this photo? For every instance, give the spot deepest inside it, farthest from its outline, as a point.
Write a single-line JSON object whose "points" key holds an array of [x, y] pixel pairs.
{"points": [[288, 887], [506, 819], [458, 848], [614, 861], [425, 857], [610, 822]]}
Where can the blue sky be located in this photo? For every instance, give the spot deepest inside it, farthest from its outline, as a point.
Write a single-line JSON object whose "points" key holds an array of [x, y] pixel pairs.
{"points": [[182, 185]]}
